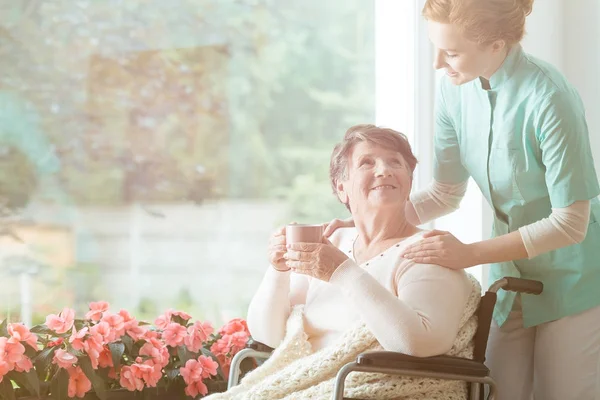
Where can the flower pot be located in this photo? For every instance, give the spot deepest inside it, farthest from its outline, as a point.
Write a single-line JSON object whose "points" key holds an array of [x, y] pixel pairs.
{"points": [[174, 393]]}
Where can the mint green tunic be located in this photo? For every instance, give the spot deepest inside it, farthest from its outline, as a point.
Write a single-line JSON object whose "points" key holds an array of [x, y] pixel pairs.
{"points": [[525, 143]]}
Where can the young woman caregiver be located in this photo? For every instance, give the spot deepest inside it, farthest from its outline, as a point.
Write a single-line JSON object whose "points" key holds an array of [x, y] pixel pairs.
{"points": [[517, 127]]}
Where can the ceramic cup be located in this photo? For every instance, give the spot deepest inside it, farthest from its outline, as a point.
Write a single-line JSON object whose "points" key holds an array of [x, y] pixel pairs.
{"points": [[298, 233]]}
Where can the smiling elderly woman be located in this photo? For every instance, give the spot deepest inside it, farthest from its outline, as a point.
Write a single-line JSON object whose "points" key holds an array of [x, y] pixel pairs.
{"points": [[356, 292]]}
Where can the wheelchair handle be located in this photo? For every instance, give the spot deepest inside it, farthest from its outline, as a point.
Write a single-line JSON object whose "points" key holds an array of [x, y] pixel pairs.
{"points": [[519, 285], [258, 346]]}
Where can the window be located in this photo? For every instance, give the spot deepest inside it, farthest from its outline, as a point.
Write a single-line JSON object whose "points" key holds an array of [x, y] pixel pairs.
{"points": [[151, 149]]}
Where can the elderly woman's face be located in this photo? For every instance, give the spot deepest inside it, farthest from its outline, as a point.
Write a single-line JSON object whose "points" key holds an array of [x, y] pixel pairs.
{"points": [[377, 177]]}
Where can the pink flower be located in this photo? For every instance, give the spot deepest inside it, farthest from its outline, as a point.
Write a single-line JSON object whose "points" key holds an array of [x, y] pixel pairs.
{"points": [[131, 378], [102, 330], [116, 324], [195, 389], [5, 368], [194, 372], [197, 335], [150, 334], [235, 325], [209, 366], [62, 322], [225, 363], [64, 359], [126, 316], [93, 346], [54, 343], [238, 340], [24, 364], [221, 346], [174, 334], [136, 332], [105, 358], [197, 370], [157, 351], [76, 338], [21, 333], [11, 350], [163, 321], [96, 310], [79, 384], [150, 372]]}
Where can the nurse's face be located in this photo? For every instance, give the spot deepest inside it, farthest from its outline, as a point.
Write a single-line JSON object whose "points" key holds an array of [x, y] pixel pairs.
{"points": [[462, 59]]}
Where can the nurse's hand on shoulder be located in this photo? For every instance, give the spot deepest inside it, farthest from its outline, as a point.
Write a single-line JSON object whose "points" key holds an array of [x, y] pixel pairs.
{"points": [[319, 260], [441, 248]]}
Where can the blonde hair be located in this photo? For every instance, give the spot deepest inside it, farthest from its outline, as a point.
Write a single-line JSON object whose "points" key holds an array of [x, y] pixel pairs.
{"points": [[384, 137], [483, 21]]}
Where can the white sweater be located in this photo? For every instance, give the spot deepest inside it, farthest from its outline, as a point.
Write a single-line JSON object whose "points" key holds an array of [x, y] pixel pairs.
{"points": [[410, 308]]}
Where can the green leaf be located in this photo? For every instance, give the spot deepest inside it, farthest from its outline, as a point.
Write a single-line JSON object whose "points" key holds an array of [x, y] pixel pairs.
{"points": [[128, 342], [185, 355], [26, 380], [6, 390], [179, 320], [97, 382], [60, 385], [172, 374], [30, 351], [4, 328], [209, 353], [79, 324], [43, 360], [42, 329], [116, 351], [33, 382]]}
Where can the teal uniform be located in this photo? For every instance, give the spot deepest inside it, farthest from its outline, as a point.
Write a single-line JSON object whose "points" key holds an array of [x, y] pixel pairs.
{"points": [[525, 143]]}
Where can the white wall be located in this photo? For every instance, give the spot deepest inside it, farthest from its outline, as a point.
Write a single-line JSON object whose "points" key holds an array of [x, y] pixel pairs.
{"points": [[566, 33], [582, 61]]}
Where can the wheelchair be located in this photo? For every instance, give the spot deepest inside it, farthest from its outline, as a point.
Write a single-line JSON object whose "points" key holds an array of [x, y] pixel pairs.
{"points": [[472, 370]]}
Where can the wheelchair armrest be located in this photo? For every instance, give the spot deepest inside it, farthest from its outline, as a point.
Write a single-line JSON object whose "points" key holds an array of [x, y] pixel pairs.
{"points": [[258, 346], [438, 364], [253, 349], [518, 285]]}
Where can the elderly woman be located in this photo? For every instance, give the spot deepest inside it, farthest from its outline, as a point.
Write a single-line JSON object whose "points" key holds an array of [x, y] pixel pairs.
{"points": [[359, 278]]}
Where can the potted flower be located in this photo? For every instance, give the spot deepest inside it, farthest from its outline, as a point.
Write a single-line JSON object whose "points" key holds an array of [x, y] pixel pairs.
{"points": [[112, 356]]}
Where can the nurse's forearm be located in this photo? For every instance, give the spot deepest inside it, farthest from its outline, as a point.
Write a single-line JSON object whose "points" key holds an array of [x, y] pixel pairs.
{"points": [[436, 200], [503, 248]]}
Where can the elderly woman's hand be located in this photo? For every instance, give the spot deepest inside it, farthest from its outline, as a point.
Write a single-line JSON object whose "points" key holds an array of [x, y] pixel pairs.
{"points": [[319, 260], [277, 249], [441, 248]]}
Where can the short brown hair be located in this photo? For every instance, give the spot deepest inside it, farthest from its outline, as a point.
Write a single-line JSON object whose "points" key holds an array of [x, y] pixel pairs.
{"points": [[483, 21], [385, 137]]}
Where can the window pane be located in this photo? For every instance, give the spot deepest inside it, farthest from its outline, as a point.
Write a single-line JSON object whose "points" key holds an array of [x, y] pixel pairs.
{"points": [[153, 146]]}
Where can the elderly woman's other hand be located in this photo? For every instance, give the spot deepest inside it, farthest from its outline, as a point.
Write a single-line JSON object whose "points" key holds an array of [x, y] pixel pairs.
{"points": [[319, 260], [277, 249], [334, 224]]}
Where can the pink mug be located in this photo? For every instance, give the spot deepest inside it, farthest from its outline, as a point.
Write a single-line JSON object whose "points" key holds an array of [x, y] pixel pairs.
{"points": [[298, 233]]}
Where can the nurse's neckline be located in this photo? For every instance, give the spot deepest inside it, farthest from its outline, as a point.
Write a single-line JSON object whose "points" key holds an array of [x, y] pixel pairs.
{"points": [[505, 71]]}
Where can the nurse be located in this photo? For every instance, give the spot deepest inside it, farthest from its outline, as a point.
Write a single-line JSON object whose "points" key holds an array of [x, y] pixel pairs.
{"points": [[517, 127]]}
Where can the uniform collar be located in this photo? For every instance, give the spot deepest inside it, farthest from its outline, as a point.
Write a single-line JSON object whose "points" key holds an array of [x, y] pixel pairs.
{"points": [[508, 67]]}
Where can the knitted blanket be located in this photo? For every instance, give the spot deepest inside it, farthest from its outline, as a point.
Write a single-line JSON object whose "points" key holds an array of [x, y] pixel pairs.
{"points": [[294, 372]]}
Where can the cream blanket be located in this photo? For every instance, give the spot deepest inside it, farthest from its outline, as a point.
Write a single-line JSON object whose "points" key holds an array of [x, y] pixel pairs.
{"points": [[294, 372]]}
